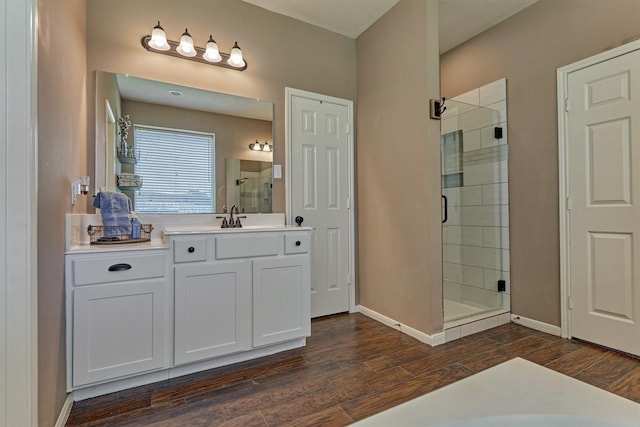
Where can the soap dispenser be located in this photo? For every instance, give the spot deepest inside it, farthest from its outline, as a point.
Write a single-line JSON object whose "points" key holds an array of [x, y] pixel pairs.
{"points": [[135, 226]]}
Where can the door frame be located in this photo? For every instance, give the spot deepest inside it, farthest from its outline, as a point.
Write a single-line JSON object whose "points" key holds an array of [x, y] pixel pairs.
{"points": [[563, 142], [18, 217], [289, 94]]}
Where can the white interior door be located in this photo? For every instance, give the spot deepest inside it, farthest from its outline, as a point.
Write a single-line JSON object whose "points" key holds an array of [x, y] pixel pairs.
{"points": [[603, 152], [320, 190]]}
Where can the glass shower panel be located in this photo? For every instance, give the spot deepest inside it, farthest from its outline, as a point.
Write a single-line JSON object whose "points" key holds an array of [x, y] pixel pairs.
{"points": [[475, 192]]}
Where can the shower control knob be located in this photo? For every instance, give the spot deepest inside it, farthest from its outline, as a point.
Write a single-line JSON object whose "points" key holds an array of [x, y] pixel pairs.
{"points": [[299, 220]]}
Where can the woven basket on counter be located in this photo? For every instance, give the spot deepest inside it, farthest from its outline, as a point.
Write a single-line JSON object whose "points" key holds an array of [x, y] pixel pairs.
{"points": [[112, 235]]}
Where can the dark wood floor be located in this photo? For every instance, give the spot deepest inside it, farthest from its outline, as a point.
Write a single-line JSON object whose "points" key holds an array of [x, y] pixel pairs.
{"points": [[351, 368]]}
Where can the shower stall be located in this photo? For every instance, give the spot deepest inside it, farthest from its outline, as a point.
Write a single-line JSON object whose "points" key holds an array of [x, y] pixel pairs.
{"points": [[475, 218]]}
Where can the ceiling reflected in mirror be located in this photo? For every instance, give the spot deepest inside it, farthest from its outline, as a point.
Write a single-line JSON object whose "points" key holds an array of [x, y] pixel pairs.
{"points": [[154, 92]]}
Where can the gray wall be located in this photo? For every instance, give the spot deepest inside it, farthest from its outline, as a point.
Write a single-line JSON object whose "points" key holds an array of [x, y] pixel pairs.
{"points": [[62, 158], [398, 161]]}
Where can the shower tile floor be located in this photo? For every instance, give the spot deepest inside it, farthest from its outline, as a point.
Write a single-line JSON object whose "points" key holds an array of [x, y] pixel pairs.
{"points": [[454, 310]]}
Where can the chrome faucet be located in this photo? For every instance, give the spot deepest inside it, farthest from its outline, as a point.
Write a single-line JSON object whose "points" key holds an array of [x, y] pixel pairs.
{"points": [[231, 223], [236, 223], [234, 207]]}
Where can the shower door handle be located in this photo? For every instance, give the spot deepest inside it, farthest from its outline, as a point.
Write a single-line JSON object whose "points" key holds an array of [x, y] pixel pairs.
{"points": [[445, 209]]}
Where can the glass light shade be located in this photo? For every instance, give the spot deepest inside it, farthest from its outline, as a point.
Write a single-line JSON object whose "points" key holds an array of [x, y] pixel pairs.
{"points": [[255, 147], [158, 39], [235, 57], [186, 45], [266, 147], [212, 54]]}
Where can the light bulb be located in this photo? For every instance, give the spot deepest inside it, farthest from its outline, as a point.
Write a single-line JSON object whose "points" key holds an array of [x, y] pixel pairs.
{"points": [[212, 54], [186, 45], [158, 39], [235, 57]]}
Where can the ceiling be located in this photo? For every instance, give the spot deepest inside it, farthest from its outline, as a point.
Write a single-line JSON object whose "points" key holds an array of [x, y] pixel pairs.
{"points": [[459, 20]]}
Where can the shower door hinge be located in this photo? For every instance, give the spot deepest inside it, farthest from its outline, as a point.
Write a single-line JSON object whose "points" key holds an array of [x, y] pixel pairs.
{"points": [[502, 285]]}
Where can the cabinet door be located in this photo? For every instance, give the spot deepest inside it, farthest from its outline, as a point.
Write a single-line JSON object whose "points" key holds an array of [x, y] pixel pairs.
{"points": [[212, 310], [118, 330], [281, 299]]}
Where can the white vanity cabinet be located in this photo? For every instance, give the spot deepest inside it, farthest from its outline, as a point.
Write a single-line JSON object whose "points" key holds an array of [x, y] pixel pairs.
{"points": [[238, 290], [196, 300], [117, 314]]}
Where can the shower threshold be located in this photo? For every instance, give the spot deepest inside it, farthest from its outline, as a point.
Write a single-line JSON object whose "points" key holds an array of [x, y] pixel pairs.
{"points": [[463, 319]]}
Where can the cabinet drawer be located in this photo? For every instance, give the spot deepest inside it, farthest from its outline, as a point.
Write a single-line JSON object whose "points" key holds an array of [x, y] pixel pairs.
{"points": [[107, 269], [190, 250], [246, 246], [296, 243]]}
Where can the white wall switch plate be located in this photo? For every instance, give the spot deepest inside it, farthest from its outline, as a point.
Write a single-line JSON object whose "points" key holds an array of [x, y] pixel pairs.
{"points": [[277, 171]]}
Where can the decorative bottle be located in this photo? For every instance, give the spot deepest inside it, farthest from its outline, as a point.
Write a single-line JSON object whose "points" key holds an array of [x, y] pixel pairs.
{"points": [[135, 226]]}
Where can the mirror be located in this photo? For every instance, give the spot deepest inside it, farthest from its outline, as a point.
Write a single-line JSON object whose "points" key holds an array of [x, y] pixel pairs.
{"points": [[234, 122]]}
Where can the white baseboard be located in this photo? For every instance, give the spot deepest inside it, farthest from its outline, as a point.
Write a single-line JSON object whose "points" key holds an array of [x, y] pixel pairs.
{"points": [[537, 325], [65, 411], [432, 340]]}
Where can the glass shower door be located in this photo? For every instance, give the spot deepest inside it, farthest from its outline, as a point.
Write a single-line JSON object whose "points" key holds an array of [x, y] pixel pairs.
{"points": [[475, 219]]}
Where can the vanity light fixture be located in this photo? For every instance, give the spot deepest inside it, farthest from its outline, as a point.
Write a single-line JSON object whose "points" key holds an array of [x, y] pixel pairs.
{"points": [[157, 42], [256, 146], [80, 187]]}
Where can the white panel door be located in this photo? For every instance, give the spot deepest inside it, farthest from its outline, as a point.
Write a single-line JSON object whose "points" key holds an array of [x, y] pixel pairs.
{"points": [[320, 183], [603, 125], [212, 310]]}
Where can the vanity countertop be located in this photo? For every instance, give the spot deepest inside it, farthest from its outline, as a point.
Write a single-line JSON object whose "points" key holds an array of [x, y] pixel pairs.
{"points": [[203, 229], [154, 243]]}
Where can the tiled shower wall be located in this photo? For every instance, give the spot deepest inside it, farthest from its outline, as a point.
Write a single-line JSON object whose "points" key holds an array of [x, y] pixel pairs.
{"points": [[476, 234]]}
